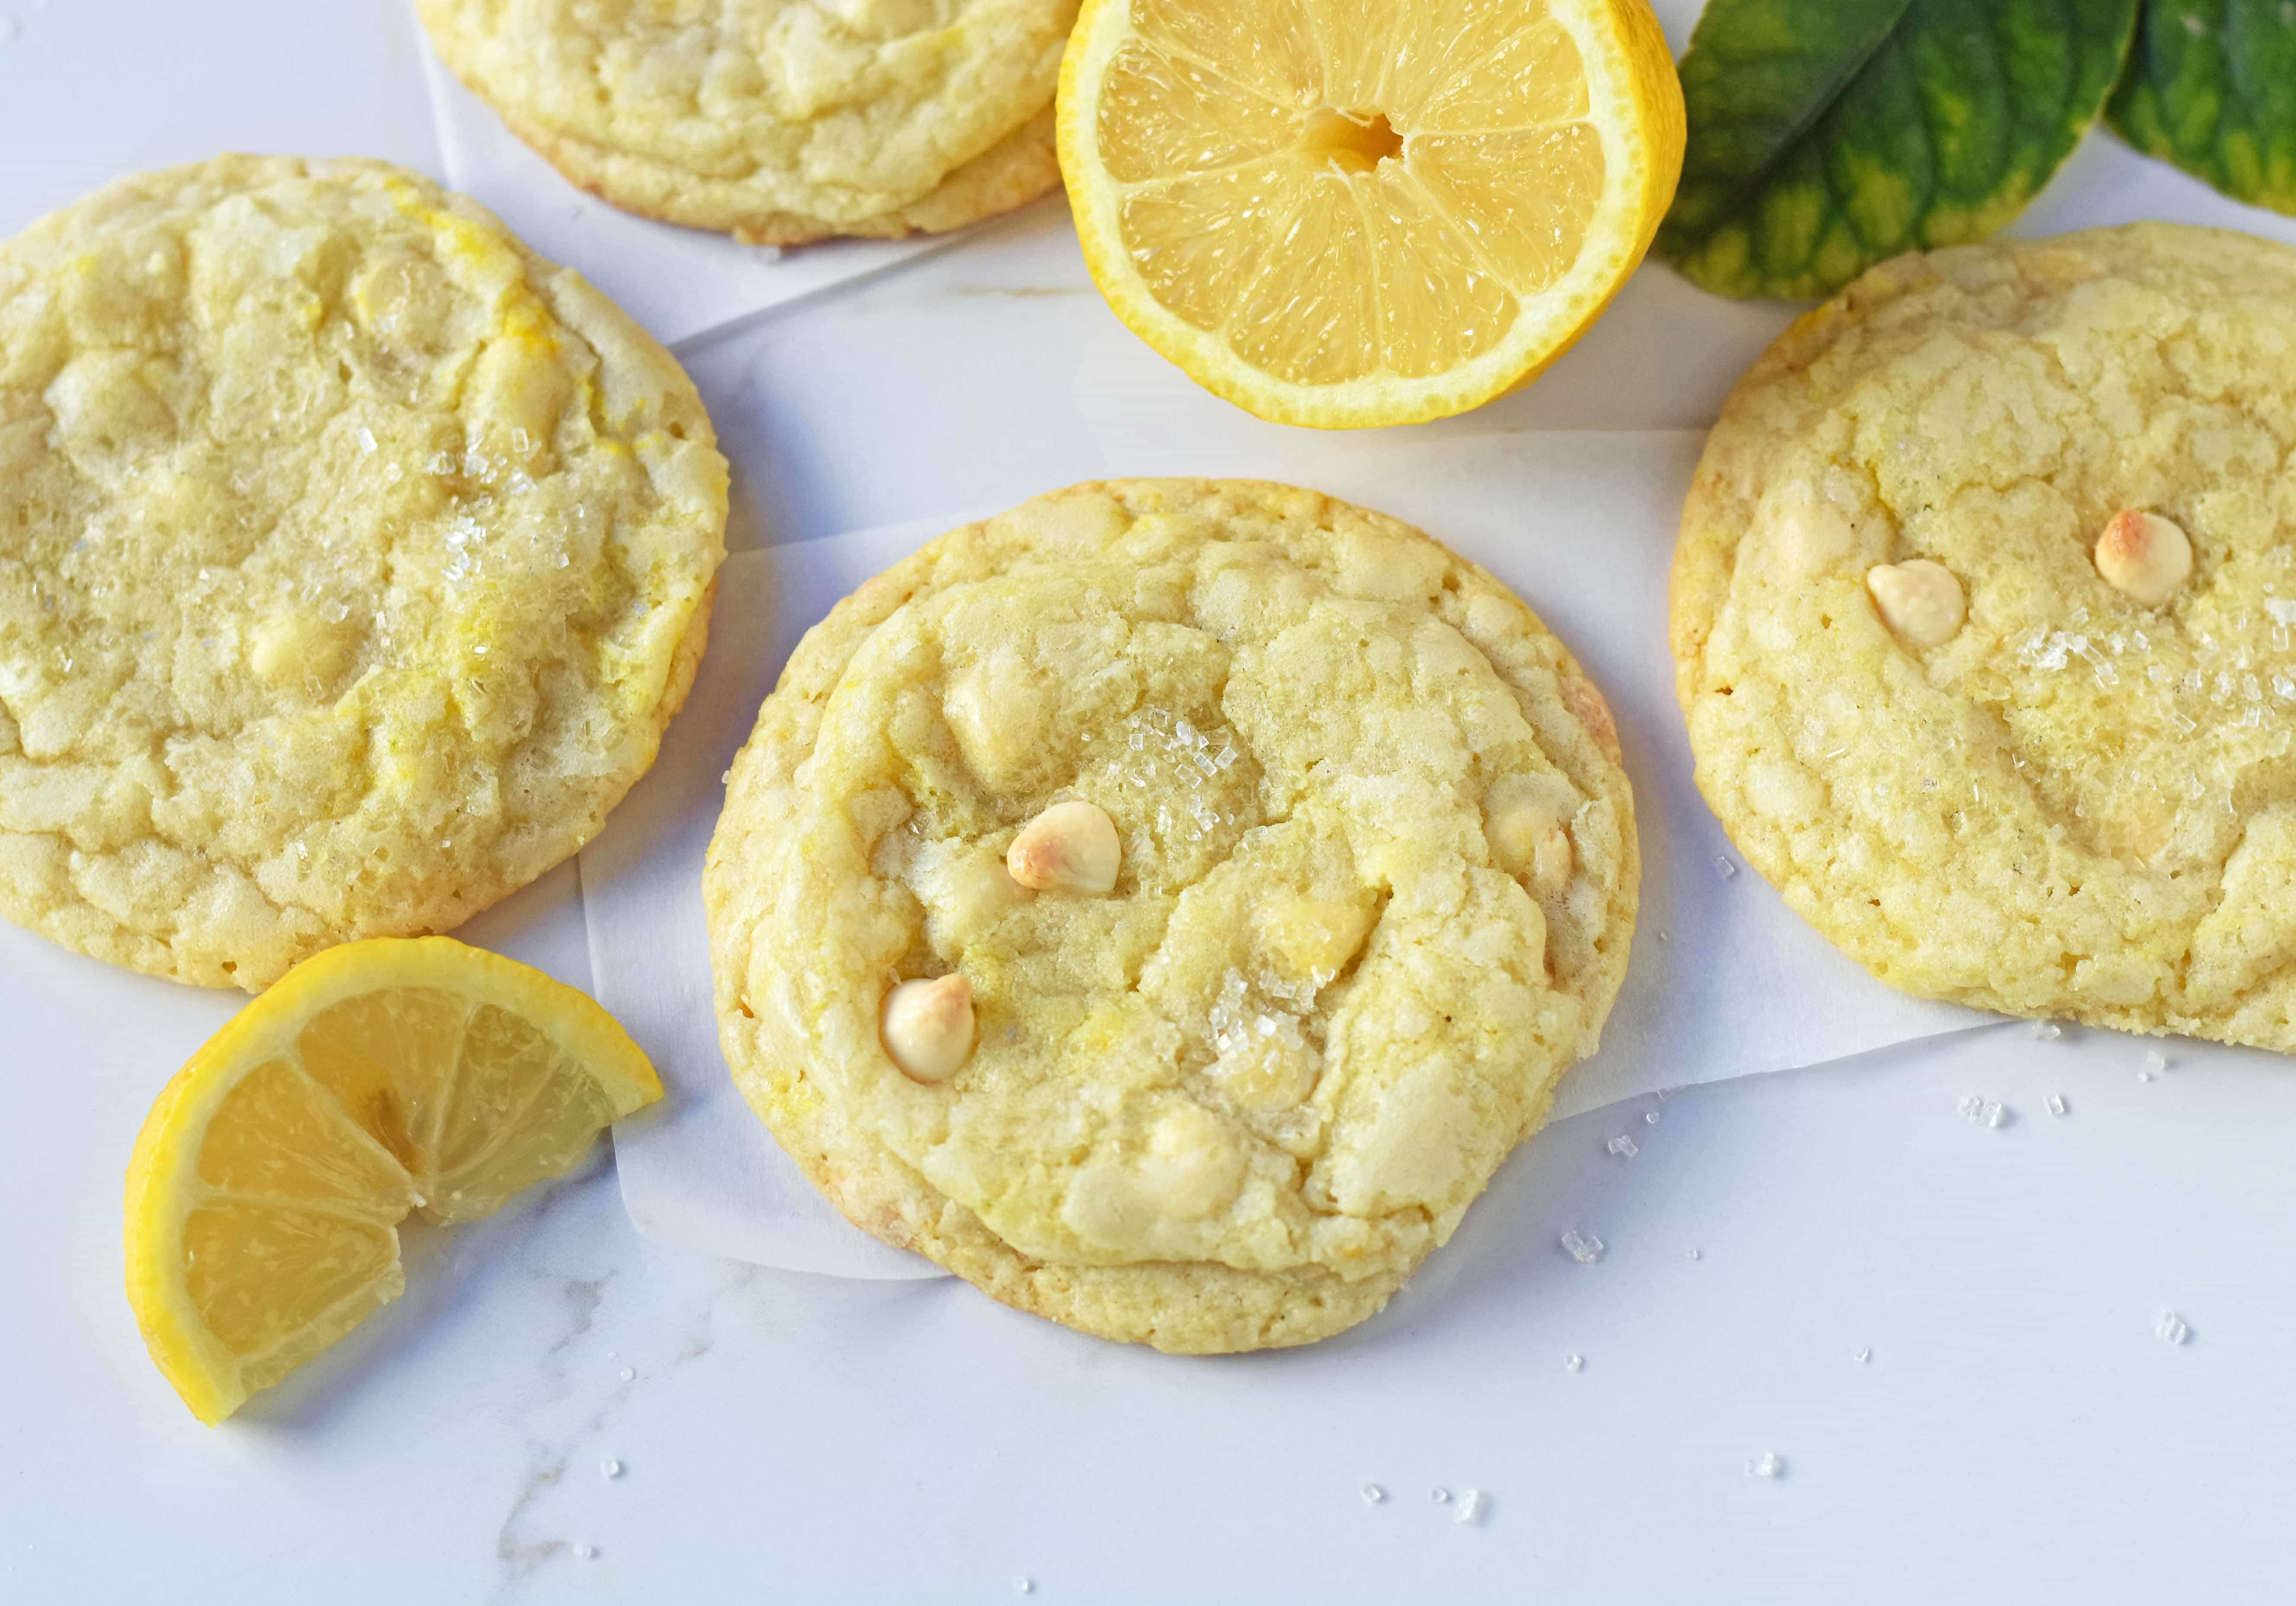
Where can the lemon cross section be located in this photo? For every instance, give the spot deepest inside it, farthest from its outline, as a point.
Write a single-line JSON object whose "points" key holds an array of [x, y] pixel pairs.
{"points": [[374, 1081], [1343, 213]]}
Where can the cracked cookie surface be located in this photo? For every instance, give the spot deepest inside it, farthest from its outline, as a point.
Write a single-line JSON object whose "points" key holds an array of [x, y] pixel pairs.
{"points": [[1982, 622], [781, 121], [352, 560], [1374, 880]]}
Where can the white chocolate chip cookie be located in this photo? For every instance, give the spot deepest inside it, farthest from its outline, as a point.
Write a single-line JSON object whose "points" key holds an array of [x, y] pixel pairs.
{"points": [[1985, 625], [352, 560], [780, 121], [1166, 904]]}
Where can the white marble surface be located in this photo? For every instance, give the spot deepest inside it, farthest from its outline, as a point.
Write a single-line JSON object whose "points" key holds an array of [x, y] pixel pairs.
{"points": [[2017, 1432]]}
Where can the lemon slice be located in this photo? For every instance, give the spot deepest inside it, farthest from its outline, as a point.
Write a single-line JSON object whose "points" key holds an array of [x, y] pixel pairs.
{"points": [[375, 1080], [1353, 212]]}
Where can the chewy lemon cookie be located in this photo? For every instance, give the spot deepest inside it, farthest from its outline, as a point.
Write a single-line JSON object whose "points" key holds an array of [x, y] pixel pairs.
{"points": [[780, 121], [352, 559], [1166, 904], [1983, 613]]}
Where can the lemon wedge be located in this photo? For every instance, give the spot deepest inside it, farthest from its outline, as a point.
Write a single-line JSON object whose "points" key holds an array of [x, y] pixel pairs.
{"points": [[374, 1081], [1352, 212]]}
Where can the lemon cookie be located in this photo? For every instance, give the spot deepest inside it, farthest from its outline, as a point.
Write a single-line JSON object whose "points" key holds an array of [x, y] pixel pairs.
{"points": [[1982, 618], [1166, 904], [780, 121], [352, 559]]}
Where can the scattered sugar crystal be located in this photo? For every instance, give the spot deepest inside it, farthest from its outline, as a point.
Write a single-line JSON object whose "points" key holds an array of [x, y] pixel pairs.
{"points": [[1623, 1146], [587, 1553], [1440, 1496], [1373, 1495], [1983, 1111], [1971, 1106], [1574, 1363], [1585, 1249], [1996, 1114], [772, 253], [2047, 1031], [2143, 1076], [2056, 1102], [366, 439], [627, 1375], [1649, 1118], [2155, 1060], [1698, 1253], [1865, 1354], [1723, 866], [2172, 1328], [1471, 1506], [610, 1467], [1023, 1584], [1768, 1464]]}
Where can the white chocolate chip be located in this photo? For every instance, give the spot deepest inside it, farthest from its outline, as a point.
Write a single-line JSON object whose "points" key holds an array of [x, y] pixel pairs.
{"points": [[1071, 846], [2144, 556], [927, 1026], [1919, 600], [1530, 840]]}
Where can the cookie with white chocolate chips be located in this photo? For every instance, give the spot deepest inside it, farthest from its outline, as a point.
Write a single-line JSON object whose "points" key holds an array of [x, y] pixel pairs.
{"points": [[1166, 904], [1982, 623], [352, 560]]}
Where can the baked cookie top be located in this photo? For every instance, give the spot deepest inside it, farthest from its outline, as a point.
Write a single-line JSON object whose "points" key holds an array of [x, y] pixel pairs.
{"points": [[1286, 862], [1982, 618], [352, 559], [778, 120]]}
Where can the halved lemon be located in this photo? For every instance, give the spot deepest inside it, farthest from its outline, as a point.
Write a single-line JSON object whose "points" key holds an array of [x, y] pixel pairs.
{"points": [[1354, 212], [376, 1080]]}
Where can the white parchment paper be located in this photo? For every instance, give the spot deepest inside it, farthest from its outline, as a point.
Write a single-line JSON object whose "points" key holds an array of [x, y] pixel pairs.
{"points": [[1724, 979]]}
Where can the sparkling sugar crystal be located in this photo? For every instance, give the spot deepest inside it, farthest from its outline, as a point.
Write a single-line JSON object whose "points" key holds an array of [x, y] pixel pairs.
{"points": [[2056, 1102], [1768, 1464], [1723, 866], [2047, 1031], [1472, 1507], [1024, 1585], [1623, 1146], [1573, 1363], [610, 1467], [1373, 1495], [1865, 1354], [587, 1553], [2155, 1060], [1585, 1248], [1440, 1496], [1996, 1115], [2172, 1328]]}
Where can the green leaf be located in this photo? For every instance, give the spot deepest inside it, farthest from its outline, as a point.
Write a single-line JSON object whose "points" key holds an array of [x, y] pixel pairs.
{"points": [[1826, 136], [2211, 86]]}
